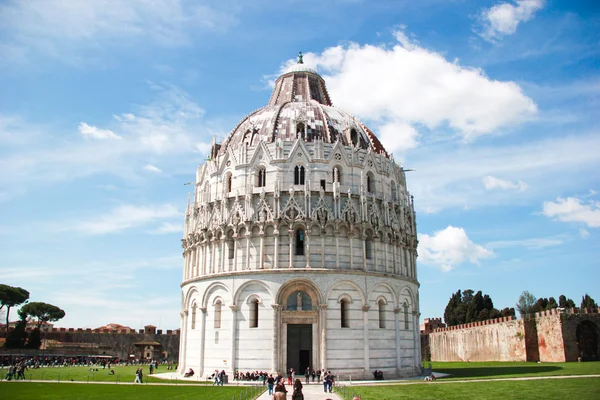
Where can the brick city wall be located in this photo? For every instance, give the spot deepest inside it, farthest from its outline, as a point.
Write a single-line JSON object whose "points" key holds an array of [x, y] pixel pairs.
{"points": [[548, 336], [106, 342]]}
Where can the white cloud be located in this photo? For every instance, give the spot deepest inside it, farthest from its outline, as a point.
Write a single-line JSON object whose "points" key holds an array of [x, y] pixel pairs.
{"points": [[406, 85], [583, 233], [93, 132], [121, 218], [152, 168], [450, 247], [531, 243], [573, 209], [397, 136], [449, 176], [50, 27], [503, 19], [168, 129], [168, 227], [491, 183]]}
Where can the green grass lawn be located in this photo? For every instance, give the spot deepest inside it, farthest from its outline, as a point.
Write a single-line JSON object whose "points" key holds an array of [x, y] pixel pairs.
{"points": [[490, 370], [56, 391], [581, 388], [83, 374]]}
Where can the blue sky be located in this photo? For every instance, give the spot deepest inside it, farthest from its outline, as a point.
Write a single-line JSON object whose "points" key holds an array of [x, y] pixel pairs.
{"points": [[107, 107]]}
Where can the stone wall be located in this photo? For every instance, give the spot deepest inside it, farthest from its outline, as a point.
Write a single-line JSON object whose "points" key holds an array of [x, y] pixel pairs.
{"points": [[547, 336], [108, 343], [501, 339]]}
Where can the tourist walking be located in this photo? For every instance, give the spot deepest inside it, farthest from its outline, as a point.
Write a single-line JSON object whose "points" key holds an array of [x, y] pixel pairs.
{"points": [[325, 385], [297, 393], [270, 384], [307, 375], [280, 391], [138, 376]]}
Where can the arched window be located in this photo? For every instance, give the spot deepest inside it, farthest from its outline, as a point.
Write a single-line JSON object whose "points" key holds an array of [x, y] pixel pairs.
{"points": [[405, 316], [393, 189], [300, 132], [194, 316], [381, 305], [353, 137], [218, 305], [336, 174], [231, 248], [254, 313], [228, 183], [262, 177], [368, 248], [370, 183], [300, 242], [299, 175], [344, 323]]}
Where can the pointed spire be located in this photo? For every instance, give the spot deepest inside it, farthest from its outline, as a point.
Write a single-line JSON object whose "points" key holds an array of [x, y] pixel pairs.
{"points": [[188, 211]]}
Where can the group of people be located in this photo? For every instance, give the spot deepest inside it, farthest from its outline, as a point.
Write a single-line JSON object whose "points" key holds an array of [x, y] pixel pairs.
{"points": [[277, 385], [219, 377], [16, 372]]}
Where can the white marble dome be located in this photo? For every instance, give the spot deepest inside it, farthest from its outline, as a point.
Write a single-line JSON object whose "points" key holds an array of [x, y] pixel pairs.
{"points": [[300, 246]]}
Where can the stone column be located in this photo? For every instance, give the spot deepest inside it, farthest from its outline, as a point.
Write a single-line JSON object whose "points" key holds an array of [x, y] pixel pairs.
{"points": [[202, 340], [291, 233], [214, 258], [261, 258], [351, 250], [199, 251], [394, 265], [398, 350], [307, 252], [416, 339], [374, 252], [385, 255], [364, 253], [182, 342], [234, 310], [206, 256], [222, 266], [365, 309], [248, 235], [235, 251], [276, 255], [323, 323], [323, 248], [276, 334], [337, 250]]}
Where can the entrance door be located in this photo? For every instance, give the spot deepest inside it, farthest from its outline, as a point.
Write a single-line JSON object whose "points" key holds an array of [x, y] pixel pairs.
{"points": [[299, 347]]}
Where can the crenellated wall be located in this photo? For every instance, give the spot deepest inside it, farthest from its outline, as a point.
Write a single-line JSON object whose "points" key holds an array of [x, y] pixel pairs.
{"points": [[118, 343], [547, 336]]}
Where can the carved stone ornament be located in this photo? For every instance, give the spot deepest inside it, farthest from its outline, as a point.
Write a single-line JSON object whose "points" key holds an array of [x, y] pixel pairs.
{"points": [[292, 211]]}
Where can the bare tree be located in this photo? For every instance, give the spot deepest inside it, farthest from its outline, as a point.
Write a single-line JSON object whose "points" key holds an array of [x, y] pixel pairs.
{"points": [[526, 304]]}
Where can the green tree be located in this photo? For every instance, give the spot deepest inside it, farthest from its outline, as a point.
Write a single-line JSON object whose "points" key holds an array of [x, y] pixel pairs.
{"points": [[526, 304], [467, 306], [43, 312], [551, 303], [34, 341], [17, 337], [11, 296], [451, 313], [588, 302], [563, 302]]}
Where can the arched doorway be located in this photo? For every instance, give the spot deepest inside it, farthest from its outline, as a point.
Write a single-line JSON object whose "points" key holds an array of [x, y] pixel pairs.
{"points": [[300, 325], [587, 341]]}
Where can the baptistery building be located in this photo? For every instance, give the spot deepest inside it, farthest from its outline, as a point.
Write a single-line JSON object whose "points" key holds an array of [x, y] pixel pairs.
{"points": [[300, 245]]}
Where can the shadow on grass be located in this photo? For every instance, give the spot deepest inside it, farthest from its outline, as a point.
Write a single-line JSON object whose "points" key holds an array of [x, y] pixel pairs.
{"points": [[489, 372]]}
